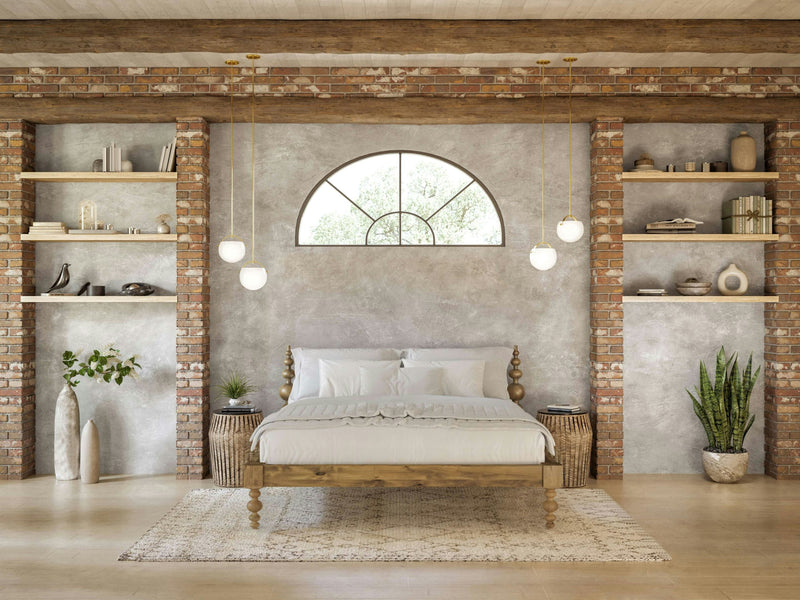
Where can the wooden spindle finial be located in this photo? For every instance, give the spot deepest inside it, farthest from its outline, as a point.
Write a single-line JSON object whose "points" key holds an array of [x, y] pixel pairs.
{"points": [[516, 391], [288, 375]]}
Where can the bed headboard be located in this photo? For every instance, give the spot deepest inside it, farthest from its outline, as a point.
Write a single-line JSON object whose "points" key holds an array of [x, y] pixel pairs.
{"points": [[516, 391]]}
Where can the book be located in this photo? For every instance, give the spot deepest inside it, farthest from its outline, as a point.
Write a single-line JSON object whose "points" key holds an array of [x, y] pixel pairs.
{"points": [[239, 410], [171, 160], [161, 160]]}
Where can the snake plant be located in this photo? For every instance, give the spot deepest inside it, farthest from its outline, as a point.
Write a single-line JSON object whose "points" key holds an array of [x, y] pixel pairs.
{"points": [[724, 408]]}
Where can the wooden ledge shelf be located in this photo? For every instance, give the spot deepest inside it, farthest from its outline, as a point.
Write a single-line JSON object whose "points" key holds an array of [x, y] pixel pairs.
{"points": [[100, 237], [129, 177], [95, 299], [699, 177], [700, 237], [705, 299]]}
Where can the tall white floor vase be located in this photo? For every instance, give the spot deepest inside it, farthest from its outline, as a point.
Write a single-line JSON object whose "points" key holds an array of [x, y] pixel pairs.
{"points": [[67, 440], [90, 453]]}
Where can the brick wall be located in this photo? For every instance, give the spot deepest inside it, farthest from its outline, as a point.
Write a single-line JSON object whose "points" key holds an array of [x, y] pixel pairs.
{"points": [[605, 302], [400, 81], [17, 329], [782, 320], [192, 343]]}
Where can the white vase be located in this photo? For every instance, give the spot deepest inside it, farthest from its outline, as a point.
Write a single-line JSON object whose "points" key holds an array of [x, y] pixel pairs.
{"points": [[732, 271], [67, 438], [162, 228], [743, 153], [90, 453]]}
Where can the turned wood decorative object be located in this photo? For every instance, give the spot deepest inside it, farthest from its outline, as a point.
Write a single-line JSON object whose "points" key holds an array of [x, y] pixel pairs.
{"points": [[516, 391], [573, 437], [288, 375], [229, 438]]}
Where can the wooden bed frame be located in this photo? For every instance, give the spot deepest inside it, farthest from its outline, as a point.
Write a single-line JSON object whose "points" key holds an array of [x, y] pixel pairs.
{"points": [[548, 475]]}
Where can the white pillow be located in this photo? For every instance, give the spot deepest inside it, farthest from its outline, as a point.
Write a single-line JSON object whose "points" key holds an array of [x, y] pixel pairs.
{"points": [[306, 365], [343, 377], [459, 378], [379, 380], [497, 358], [420, 380]]}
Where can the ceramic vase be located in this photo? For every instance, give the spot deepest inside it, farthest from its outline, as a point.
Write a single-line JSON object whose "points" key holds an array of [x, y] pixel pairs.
{"points": [[743, 153], [722, 281], [725, 467], [67, 438], [162, 228], [90, 453]]}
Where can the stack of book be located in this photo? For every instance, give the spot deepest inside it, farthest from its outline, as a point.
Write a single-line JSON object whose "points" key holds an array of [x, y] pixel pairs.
{"points": [[112, 158], [651, 292], [747, 214], [47, 228], [238, 410], [167, 162], [567, 409], [680, 225]]}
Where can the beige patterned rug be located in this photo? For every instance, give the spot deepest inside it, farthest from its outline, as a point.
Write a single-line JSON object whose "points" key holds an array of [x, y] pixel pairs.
{"points": [[374, 524]]}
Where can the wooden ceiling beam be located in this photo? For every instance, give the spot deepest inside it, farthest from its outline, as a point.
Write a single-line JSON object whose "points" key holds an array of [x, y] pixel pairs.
{"points": [[414, 110], [234, 36]]}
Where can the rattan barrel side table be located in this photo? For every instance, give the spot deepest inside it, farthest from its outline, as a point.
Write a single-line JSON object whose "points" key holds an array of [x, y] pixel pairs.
{"points": [[229, 438], [573, 437]]}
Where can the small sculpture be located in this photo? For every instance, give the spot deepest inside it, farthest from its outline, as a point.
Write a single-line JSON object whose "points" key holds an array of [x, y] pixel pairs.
{"points": [[84, 289], [137, 289], [62, 280], [88, 215]]}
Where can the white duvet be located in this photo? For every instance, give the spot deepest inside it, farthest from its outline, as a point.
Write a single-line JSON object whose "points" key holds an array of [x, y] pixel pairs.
{"points": [[401, 430]]}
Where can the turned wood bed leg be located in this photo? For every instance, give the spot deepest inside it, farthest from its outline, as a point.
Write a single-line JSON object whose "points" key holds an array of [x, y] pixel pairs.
{"points": [[254, 480], [550, 507], [255, 505]]}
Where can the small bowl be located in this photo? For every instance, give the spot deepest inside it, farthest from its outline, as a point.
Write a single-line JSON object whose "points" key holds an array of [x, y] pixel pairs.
{"points": [[699, 288]]}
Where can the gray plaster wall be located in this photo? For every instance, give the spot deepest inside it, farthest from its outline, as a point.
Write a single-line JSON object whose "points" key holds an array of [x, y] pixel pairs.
{"points": [[137, 420], [665, 342], [401, 297]]}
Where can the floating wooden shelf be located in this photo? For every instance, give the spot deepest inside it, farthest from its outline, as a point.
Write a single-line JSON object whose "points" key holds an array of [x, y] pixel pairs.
{"points": [[700, 237], [727, 299], [129, 177], [698, 177], [100, 237], [90, 299]]}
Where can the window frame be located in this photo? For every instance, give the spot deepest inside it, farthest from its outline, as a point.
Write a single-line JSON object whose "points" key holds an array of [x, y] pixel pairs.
{"points": [[330, 173]]}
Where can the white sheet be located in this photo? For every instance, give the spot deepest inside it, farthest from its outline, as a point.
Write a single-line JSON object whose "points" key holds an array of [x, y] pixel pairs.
{"points": [[402, 430]]}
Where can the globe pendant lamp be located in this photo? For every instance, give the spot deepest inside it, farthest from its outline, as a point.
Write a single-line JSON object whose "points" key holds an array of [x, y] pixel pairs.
{"points": [[543, 255], [253, 275], [569, 229], [231, 249]]}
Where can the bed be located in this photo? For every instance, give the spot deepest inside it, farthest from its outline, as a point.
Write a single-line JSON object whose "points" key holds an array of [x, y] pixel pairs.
{"points": [[412, 418]]}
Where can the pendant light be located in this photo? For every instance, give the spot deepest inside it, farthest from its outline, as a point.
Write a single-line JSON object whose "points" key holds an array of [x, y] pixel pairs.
{"points": [[569, 229], [232, 249], [543, 255], [253, 275]]}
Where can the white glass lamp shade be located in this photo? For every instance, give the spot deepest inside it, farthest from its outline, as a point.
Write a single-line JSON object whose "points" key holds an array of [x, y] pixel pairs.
{"points": [[569, 229], [232, 250], [543, 256], [253, 276]]}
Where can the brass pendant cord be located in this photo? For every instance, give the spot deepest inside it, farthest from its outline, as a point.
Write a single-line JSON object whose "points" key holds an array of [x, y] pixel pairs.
{"points": [[569, 60], [232, 63], [542, 63], [253, 159]]}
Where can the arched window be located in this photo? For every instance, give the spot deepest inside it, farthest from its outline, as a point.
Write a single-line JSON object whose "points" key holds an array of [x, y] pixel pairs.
{"points": [[400, 199]]}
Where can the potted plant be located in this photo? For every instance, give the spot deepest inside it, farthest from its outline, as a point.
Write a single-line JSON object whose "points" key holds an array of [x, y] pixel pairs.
{"points": [[234, 387], [724, 411], [104, 366]]}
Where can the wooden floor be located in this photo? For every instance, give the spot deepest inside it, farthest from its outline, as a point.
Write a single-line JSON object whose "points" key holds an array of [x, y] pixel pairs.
{"points": [[61, 540]]}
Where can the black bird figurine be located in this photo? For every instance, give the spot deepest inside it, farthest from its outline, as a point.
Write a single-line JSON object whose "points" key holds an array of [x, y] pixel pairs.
{"points": [[62, 280]]}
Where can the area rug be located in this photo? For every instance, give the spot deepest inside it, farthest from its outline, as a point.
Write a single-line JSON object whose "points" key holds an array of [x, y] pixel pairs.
{"points": [[396, 524]]}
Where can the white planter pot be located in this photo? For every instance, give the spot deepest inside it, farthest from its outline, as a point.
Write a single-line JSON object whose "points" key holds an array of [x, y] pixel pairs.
{"points": [[725, 467], [67, 439]]}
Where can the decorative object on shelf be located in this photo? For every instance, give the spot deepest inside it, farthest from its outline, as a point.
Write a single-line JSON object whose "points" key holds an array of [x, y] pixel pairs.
{"points": [[719, 166], [97, 165], [644, 163], [689, 166], [234, 387], [678, 225], [706, 167], [84, 289], [137, 289], [569, 229], [743, 152], [112, 158], [670, 168], [167, 162], [127, 166], [722, 281], [253, 275], [97, 290], [572, 432], [163, 225], [90, 232], [543, 255], [231, 249], [747, 214], [134, 230], [693, 287], [724, 411], [651, 292], [229, 441], [48, 228], [62, 280], [90, 453], [88, 215], [103, 366]]}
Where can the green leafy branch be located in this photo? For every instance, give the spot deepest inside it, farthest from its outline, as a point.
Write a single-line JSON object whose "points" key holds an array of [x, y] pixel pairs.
{"points": [[101, 365]]}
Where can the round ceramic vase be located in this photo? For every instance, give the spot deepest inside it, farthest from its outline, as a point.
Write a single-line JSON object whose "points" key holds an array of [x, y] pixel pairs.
{"points": [[67, 435], [725, 467], [743, 153], [162, 228], [722, 281]]}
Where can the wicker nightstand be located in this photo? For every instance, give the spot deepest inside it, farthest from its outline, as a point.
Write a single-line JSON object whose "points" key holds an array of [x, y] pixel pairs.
{"points": [[573, 436], [229, 438]]}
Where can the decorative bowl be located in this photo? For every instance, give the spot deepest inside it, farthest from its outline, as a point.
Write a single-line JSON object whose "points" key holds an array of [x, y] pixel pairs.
{"points": [[692, 287]]}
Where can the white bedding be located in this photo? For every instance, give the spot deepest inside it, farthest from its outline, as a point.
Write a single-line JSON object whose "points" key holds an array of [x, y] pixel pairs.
{"points": [[402, 430]]}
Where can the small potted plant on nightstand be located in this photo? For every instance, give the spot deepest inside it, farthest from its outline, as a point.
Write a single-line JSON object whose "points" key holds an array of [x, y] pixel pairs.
{"points": [[234, 387], [724, 411]]}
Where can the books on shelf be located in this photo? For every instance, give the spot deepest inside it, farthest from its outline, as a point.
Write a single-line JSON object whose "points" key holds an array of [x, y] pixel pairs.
{"points": [[747, 214], [679, 225], [167, 162], [569, 409], [47, 228], [112, 158], [651, 292]]}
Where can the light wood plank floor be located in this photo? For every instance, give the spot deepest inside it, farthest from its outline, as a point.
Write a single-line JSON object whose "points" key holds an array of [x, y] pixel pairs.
{"points": [[739, 542]]}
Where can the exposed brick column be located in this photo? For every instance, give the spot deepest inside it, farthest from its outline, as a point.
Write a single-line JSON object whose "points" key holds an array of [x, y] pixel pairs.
{"points": [[17, 328], [192, 343], [782, 319], [606, 297]]}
